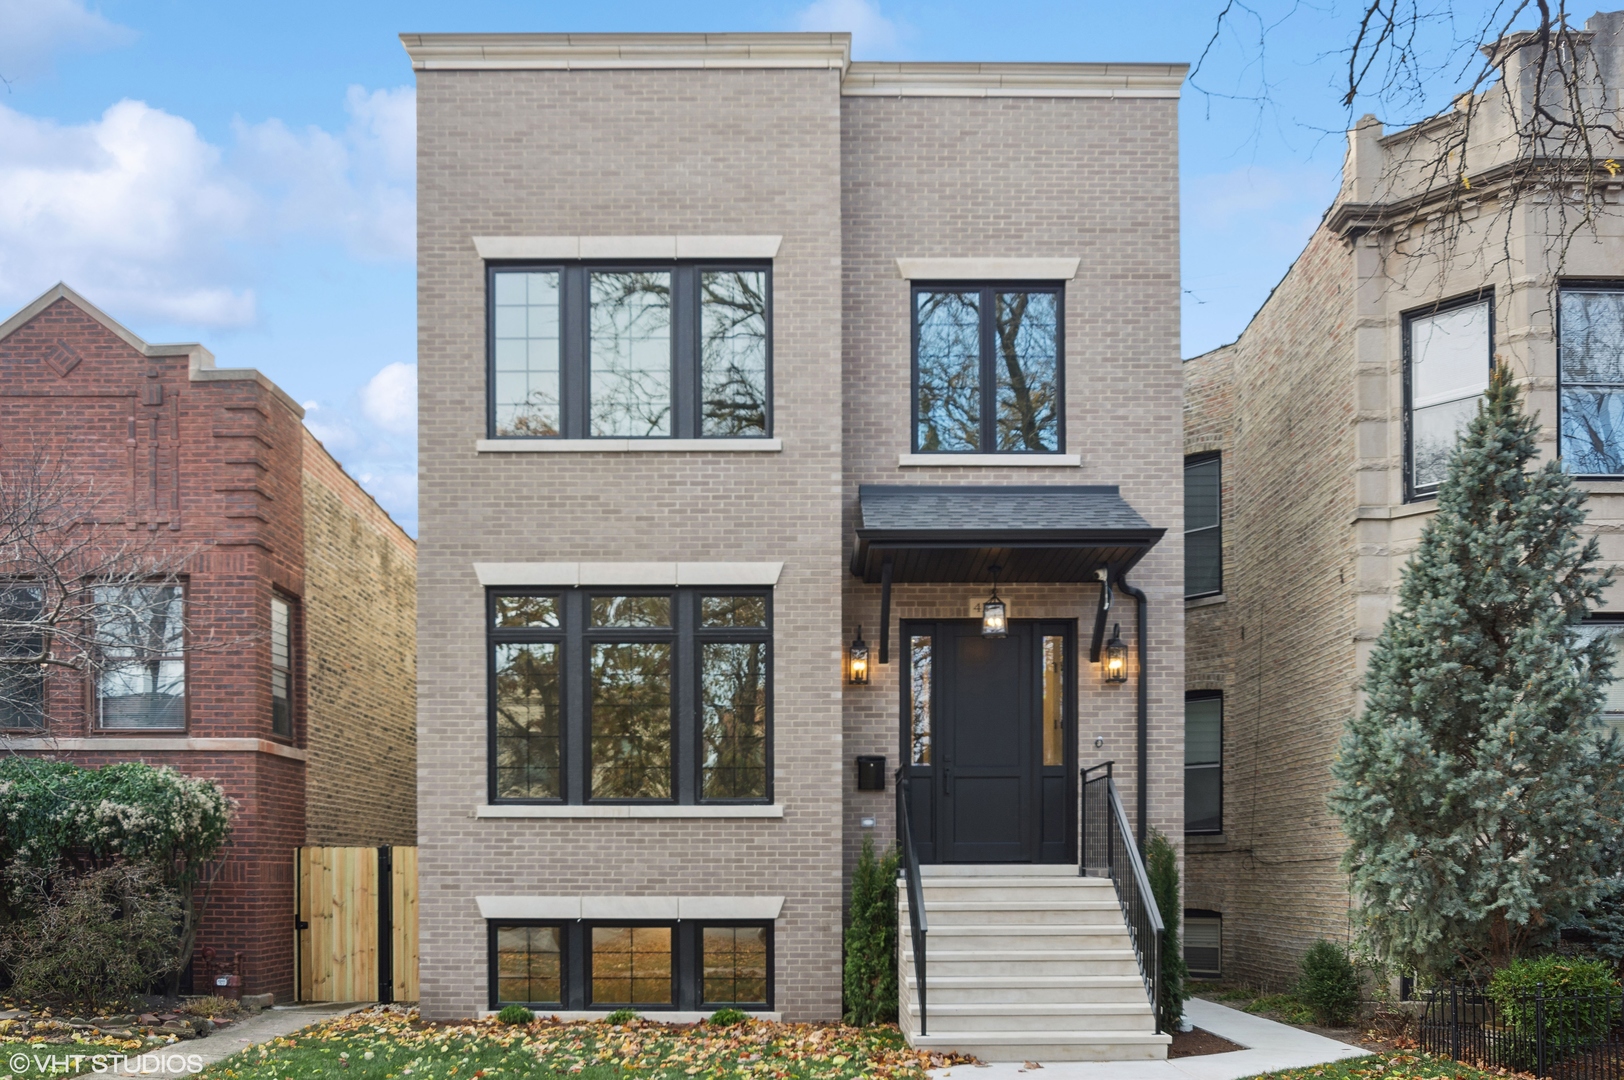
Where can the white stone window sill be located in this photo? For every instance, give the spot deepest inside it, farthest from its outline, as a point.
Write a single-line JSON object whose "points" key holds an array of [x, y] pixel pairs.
{"points": [[560, 810], [628, 446], [1018, 461]]}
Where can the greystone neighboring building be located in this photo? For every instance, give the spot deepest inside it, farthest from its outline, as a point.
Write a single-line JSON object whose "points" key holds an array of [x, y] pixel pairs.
{"points": [[1315, 445], [748, 375]]}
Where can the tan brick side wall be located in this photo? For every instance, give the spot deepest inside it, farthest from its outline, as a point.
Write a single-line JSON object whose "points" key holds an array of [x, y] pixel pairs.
{"points": [[964, 177], [1281, 405], [630, 153], [360, 663]]}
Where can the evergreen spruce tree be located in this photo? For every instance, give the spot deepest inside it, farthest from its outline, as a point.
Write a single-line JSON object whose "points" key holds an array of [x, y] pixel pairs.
{"points": [[1476, 788]]}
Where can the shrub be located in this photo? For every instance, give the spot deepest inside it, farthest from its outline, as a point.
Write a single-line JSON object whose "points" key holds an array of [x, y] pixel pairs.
{"points": [[1577, 996], [515, 1014], [97, 938], [727, 1017], [621, 1016], [1162, 866], [871, 939], [211, 1006], [1329, 986], [1289, 1007]]}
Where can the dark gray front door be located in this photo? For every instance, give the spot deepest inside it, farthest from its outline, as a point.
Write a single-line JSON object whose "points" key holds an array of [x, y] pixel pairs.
{"points": [[986, 777]]}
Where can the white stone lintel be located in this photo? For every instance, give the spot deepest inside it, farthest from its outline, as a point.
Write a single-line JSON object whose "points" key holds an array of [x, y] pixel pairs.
{"points": [[661, 574]]}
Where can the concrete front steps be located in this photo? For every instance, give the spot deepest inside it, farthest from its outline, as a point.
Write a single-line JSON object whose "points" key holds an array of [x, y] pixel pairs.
{"points": [[1025, 963]]}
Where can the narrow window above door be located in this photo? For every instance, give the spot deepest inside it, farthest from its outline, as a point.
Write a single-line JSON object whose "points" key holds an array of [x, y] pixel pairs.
{"points": [[609, 354]]}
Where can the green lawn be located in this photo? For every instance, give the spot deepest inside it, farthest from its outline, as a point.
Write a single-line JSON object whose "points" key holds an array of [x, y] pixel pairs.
{"points": [[1389, 1065], [378, 1045], [39, 1058]]}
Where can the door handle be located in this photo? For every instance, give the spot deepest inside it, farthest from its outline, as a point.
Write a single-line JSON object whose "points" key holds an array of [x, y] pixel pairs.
{"points": [[947, 781]]}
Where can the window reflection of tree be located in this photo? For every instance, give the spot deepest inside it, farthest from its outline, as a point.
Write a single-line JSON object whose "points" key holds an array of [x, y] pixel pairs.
{"points": [[1024, 336], [527, 704], [920, 675], [631, 721], [949, 371], [733, 678], [631, 354], [733, 353], [1592, 348]]}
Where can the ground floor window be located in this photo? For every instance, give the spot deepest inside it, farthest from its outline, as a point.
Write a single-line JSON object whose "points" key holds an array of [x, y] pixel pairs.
{"points": [[1203, 943], [687, 966]]}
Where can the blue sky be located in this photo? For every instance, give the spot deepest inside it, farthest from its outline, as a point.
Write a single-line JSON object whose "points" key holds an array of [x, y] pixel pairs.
{"points": [[242, 174]]}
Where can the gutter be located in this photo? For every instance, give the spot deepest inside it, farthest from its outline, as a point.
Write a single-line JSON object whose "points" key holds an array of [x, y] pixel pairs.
{"points": [[1142, 780]]}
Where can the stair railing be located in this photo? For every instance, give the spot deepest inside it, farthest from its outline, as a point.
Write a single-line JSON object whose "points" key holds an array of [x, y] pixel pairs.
{"points": [[917, 925], [1107, 849]]}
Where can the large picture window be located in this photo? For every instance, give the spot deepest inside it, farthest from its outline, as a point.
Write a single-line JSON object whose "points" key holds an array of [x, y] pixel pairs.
{"points": [[630, 696], [689, 965], [988, 368], [141, 662], [1203, 762], [1591, 376], [1203, 526], [22, 641], [630, 352], [1448, 351]]}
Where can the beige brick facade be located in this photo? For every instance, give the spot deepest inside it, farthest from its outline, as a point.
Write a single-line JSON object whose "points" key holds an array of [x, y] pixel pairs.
{"points": [[742, 144], [1307, 408]]}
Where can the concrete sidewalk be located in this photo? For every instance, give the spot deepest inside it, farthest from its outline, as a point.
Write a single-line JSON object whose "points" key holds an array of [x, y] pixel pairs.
{"points": [[1269, 1047], [273, 1023]]}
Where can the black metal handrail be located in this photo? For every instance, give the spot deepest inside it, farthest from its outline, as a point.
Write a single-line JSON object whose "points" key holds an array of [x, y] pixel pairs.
{"points": [[1107, 849], [917, 925]]}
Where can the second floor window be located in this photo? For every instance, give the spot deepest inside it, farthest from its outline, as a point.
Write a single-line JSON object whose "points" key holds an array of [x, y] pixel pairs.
{"points": [[22, 639], [141, 666], [988, 369], [1203, 527], [281, 668], [1448, 352], [1591, 375], [630, 352], [647, 696]]}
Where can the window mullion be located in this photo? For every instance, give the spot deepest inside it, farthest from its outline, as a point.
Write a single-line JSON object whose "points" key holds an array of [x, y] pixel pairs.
{"points": [[573, 390], [576, 674], [685, 692], [685, 352], [989, 382]]}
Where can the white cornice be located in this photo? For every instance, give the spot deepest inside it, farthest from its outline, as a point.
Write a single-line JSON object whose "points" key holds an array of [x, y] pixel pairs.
{"points": [[598, 52], [201, 361], [875, 79]]}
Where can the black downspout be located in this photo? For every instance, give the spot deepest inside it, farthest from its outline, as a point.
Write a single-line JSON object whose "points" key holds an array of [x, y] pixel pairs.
{"points": [[1141, 780]]}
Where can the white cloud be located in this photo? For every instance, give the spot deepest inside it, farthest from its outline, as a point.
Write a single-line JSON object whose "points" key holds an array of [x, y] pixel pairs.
{"points": [[389, 399], [138, 211], [871, 32], [33, 31]]}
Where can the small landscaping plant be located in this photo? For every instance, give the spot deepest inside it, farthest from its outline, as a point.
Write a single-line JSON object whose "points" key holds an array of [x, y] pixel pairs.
{"points": [[515, 1014], [1289, 1007], [211, 1005], [1578, 998], [727, 1017], [1330, 985], [871, 939], [1162, 866], [621, 1016]]}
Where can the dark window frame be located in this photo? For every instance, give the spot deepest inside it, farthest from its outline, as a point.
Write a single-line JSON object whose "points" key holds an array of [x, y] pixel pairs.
{"points": [[1202, 459], [574, 347], [1218, 696], [575, 964], [1615, 285], [988, 376], [1407, 319], [6, 587], [1207, 914], [92, 678], [292, 607], [575, 637]]}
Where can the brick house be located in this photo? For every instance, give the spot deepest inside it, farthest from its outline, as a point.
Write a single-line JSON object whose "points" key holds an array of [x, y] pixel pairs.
{"points": [[1314, 445], [305, 714], [749, 376]]}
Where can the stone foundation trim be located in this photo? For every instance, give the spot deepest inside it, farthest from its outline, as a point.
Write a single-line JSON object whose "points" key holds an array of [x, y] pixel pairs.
{"points": [[627, 247], [979, 461], [116, 745], [573, 574], [629, 907], [623, 811], [993, 269], [627, 446]]}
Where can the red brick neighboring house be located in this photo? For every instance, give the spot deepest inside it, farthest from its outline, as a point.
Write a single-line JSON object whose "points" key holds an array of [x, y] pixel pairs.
{"points": [[217, 462]]}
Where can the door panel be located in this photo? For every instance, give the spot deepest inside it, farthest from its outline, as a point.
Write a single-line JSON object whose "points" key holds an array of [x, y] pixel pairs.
{"points": [[987, 738]]}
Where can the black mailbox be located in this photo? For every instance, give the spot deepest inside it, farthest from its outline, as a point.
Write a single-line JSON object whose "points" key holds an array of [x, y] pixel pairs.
{"points": [[870, 772]]}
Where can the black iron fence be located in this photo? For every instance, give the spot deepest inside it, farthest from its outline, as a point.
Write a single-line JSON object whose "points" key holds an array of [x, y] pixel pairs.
{"points": [[1566, 1034], [1109, 850]]}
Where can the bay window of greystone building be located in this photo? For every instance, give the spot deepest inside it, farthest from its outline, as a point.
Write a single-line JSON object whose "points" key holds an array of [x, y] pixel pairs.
{"points": [[630, 696], [638, 351], [988, 368], [1448, 351], [1590, 350]]}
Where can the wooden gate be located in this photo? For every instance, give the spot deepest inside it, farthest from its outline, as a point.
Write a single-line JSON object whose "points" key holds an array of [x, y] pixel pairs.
{"points": [[355, 920]]}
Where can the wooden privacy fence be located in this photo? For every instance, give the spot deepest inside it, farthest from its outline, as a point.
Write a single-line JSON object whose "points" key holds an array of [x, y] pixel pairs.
{"points": [[355, 920]]}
